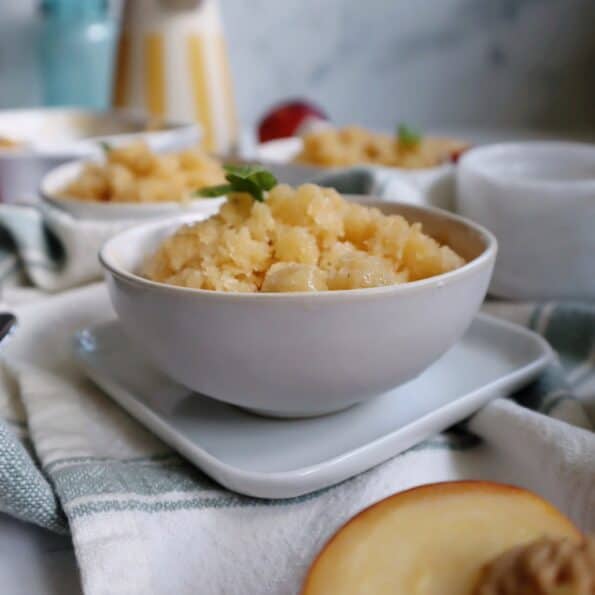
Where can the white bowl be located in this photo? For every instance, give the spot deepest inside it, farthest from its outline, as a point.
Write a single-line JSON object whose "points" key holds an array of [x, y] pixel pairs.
{"points": [[55, 181], [436, 184], [299, 354], [539, 200], [53, 136]]}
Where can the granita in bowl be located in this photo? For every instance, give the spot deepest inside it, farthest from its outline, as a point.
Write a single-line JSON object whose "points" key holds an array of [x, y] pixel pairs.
{"points": [[355, 145], [134, 182], [299, 239], [298, 301]]}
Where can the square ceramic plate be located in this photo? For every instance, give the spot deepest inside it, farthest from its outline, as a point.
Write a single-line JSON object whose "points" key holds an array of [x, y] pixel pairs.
{"points": [[273, 458]]}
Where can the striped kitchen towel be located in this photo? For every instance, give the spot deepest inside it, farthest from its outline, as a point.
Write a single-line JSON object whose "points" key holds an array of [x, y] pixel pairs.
{"points": [[144, 521], [48, 248]]}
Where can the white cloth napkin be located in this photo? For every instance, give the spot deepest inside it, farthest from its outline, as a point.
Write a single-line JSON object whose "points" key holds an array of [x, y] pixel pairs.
{"points": [[143, 521]]}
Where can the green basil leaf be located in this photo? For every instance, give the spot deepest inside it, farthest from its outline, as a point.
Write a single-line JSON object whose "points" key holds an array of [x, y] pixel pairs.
{"points": [[242, 171], [106, 147], [213, 191], [407, 137], [265, 179], [252, 179], [239, 184]]}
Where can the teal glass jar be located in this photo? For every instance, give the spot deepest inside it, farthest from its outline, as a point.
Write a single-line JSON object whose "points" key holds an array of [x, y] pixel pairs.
{"points": [[77, 45]]}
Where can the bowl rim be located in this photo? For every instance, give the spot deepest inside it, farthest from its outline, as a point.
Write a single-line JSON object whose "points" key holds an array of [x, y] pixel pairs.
{"points": [[70, 202], [487, 256], [473, 161], [77, 149]]}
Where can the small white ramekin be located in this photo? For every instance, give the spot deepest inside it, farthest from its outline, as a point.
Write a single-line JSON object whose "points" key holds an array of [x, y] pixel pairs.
{"points": [[538, 198]]}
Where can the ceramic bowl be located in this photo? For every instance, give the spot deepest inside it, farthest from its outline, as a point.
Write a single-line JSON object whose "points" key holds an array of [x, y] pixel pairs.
{"points": [[52, 136], [299, 354], [539, 200], [54, 181], [435, 184]]}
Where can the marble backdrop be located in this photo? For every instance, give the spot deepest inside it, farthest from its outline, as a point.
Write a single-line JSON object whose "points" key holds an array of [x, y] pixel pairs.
{"points": [[528, 63]]}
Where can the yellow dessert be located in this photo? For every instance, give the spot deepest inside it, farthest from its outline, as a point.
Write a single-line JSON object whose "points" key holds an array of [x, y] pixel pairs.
{"points": [[10, 144], [353, 145], [298, 239], [134, 174]]}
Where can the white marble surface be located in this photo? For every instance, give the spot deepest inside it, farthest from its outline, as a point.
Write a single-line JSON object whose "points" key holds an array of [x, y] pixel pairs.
{"points": [[437, 63]]}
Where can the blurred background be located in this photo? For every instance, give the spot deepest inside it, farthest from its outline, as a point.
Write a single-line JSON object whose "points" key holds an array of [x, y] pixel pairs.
{"points": [[452, 63], [527, 63]]}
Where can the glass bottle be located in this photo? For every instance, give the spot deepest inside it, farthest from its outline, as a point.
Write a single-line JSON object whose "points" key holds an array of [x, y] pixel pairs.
{"points": [[76, 51]]}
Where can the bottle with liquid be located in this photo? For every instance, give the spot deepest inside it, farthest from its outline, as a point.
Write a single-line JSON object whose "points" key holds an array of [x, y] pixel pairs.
{"points": [[76, 51], [172, 64]]}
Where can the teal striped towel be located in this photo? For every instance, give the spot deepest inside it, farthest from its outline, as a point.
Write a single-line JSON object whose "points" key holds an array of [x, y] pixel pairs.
{"points": [[144, 521]]}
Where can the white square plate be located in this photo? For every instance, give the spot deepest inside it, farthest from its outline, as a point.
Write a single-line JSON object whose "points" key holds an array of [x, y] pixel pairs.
{"points": [[277, 458]]}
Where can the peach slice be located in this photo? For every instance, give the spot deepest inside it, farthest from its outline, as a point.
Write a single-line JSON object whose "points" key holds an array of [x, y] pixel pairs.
{"points": [[432, 540]]}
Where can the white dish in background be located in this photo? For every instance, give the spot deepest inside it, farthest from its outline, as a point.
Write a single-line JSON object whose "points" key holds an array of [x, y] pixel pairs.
{"points": [[322, 351], [282, 150], [539, 200], [55, 181], [436, 184], [269, 458], [53, 136], [68, 132]]}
